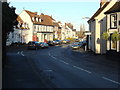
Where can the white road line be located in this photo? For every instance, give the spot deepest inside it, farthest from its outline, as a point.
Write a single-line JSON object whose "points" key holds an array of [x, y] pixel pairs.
{"points": [[51, 56], [71, 65], [81, 69], [111, 80], [54, 57], [18, 52], [48, 70], [64, 62], [22, 53]]}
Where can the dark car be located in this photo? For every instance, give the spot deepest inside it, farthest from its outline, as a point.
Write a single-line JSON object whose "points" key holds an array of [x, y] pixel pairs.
{"points": [[50, 43], [57, 42], [33, 45], [76, 40]]}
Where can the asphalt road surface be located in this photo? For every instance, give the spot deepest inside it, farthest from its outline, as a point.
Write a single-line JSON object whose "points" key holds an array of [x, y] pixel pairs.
{"points": [[66, 68]]}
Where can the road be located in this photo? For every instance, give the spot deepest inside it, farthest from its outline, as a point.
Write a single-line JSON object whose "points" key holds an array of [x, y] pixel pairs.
{"points": [[66, 68], [75, 69]]}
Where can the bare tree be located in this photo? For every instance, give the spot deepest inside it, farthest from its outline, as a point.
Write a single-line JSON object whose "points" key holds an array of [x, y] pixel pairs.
{"points": [[82, 30]]}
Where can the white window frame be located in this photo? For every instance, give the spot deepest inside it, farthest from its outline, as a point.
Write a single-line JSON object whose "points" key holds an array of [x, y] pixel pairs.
{"points": [[113, 21]]}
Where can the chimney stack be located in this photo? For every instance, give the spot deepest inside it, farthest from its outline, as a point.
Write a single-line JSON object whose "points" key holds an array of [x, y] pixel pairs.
{"points": [[102, 2]]}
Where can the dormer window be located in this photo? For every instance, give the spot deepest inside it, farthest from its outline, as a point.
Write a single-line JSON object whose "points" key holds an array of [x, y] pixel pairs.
{"points": [[37, 19], [33, 18]]}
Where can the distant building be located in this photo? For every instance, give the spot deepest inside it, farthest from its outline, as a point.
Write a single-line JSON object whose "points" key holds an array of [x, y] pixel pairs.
{"points": [[32, 27], [64, 31]]}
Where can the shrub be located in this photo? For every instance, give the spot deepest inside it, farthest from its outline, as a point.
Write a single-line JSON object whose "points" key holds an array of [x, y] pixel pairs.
{"points": [[105, 35]]}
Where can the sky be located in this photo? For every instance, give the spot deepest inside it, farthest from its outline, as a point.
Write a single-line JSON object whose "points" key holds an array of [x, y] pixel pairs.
{"points": [[67, 11]]}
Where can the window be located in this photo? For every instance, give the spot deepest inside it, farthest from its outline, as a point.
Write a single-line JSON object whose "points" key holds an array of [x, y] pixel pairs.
{"points": [[38, 28], [37, 19], [33, 18], [113, 21], [34, 27]]}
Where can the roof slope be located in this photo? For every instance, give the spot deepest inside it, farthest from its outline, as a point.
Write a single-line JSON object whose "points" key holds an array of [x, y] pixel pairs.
{"points": [[19, 19], [45, 19], [115, 8], [98, 11]]}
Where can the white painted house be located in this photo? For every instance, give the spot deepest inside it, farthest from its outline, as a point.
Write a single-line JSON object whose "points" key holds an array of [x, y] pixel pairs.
{"points": [[113, 24], [57, 30], [97, 25], [68, 31], [32, 27]]}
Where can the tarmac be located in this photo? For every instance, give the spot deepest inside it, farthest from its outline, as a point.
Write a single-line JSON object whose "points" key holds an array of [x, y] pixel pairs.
{"points": [[18, 72]]}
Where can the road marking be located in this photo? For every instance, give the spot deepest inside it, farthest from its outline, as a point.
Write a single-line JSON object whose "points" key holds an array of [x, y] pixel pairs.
{"points": [[22, 53], [48, 70], [18, 52], [54, 57], [111, 80], [51, 56], [72, 65], [64, 62], [81, 69]]}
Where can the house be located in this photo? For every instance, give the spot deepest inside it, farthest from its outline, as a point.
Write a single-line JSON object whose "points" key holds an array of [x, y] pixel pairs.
{"points": [[98, 25], [20, 34], [57, 30], [113, 24], [68, 31], [64, 31], [32, 27]]}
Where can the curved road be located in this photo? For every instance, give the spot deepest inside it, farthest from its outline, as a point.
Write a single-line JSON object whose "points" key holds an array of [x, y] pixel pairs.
{"points": [[66, 68]]}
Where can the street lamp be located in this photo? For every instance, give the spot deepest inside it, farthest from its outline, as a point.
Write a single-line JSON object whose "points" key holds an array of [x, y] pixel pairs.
{"points": [[87, 18]]}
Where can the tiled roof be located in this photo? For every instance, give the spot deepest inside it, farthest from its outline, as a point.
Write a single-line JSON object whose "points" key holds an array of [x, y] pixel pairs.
{"points": [[115, 8], [20, 20], [69, 25], [56, 24], [45, 19]]}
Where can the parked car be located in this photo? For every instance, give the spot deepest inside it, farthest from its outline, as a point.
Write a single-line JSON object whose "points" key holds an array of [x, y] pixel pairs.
{"points": [[50, 43], [76, 40], [57, 42], [65, 41], [43, 45], [33, 45], [76, 45]]}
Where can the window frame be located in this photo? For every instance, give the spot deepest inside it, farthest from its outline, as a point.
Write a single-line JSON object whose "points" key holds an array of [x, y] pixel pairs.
{"points": [[111, 21]]}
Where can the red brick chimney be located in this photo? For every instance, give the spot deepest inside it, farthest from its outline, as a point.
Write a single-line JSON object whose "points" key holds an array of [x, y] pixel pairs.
{"points": [[102, 2]]}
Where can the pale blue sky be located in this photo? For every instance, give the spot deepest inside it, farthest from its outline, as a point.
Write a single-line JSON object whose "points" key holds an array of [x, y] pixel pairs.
{"points": [[61, 11]]}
